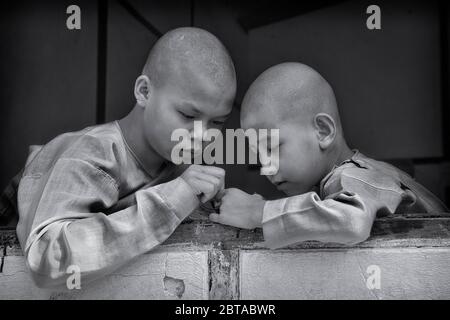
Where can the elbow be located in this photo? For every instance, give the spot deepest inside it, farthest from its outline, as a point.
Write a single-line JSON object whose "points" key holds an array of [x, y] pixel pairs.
{"points": [[45, 270], [47, 257], [45, 279], [358, 232], [41, 281]]}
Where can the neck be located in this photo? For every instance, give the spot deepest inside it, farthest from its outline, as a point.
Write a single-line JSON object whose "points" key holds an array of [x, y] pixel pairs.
{"points": [[343, 153], [133, 131], [340, 153]]}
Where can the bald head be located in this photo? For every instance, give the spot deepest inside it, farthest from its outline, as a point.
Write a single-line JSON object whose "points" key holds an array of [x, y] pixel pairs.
{"points": [[189, 50], [289, 91]]}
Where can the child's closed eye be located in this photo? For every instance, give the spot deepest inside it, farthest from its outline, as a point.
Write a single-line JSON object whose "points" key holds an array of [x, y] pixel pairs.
{"points": [[186, 116]]}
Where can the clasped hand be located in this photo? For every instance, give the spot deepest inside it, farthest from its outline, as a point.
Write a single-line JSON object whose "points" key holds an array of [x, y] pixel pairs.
{"points": [[237, 208]]}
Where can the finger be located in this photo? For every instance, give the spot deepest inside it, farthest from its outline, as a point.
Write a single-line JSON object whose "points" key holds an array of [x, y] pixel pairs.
{"points": [[209, 178], [215, 182], [220, 194], [218, 183], [222, 183], [202, 186], [215, 171], [219, 218], [206, 190]]}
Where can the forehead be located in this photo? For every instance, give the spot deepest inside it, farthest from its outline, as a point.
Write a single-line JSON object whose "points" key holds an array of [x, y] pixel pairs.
{"points": [[261, 113], [197, 90]]}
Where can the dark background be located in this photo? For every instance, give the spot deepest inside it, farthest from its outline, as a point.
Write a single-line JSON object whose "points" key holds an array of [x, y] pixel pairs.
{"points": [[391, 84]]}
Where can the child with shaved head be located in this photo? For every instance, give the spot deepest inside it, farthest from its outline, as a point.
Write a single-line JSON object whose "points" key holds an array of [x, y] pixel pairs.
{"points": [[99, 197], [335, 193]]}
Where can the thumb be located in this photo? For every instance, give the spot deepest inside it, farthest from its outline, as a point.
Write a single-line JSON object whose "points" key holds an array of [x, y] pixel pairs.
{"points": [[220, 194]]}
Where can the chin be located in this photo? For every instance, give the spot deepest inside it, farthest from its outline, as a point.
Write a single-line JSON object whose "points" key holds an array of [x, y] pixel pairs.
{"points": [[291, 192]]}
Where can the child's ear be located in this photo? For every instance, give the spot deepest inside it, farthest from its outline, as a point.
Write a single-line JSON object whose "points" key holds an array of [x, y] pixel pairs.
{"points": [[142, 90], [325, 129]]}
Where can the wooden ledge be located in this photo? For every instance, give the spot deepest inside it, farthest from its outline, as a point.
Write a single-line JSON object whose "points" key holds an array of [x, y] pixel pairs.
{"points": [[413, 230], [204, 260]]}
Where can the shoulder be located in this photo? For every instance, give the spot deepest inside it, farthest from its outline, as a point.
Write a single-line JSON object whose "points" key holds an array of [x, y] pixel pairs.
{"points": [[100, 146], [362, 174], [97, 143]]}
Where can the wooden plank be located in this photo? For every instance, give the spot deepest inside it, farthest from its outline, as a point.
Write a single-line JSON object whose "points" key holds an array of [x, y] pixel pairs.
{"points": [[393, 231], [224, 274], [10, 242], [16, 283], [159, 275], [406, 273]]}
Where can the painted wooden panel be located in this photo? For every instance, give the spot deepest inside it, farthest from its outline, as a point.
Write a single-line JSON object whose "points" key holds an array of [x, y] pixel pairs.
{"points": [[159, 275], [203, 260], [404, 273]]}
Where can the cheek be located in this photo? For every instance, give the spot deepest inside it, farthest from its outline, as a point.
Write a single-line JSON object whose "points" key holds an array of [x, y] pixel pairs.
{"points": [[158, 130], [297, 160], [164, 123]]}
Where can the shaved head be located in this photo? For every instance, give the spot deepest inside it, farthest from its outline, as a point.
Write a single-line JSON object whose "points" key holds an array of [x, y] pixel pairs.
{"points": [[189, 50], [289, 92], [188, 76], [299, 102]]}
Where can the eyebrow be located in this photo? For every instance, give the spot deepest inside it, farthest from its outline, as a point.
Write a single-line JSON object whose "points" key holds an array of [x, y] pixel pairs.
{"points": [[197, 111]]}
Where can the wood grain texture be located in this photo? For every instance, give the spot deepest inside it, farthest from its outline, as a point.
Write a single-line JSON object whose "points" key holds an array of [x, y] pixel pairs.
{"points": [[405, 273], [412, 230], [224, 274], [393, 231]]}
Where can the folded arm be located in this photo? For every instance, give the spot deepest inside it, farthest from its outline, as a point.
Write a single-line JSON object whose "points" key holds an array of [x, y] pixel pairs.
{"points": [[345, 215], [61, 224]]}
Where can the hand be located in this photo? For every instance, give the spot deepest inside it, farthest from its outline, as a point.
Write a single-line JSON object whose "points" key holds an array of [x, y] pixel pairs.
{"points": [[239, 209], [206, 181]]}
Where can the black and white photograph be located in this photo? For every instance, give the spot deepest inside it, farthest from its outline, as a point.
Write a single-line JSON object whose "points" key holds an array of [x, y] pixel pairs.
{"points": [[245, 152]]}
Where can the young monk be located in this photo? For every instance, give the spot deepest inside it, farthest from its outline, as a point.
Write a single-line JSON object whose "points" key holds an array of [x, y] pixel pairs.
{"points": [[334, 192], [99, 197]]}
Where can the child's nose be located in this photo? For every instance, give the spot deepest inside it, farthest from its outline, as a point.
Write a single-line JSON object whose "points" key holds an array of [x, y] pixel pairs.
{"points": [[199, 131], [199, 134]]}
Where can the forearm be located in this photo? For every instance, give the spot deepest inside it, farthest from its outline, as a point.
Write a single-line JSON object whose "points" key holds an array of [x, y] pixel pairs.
{"points": [[100, 243], [306, 217]]}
